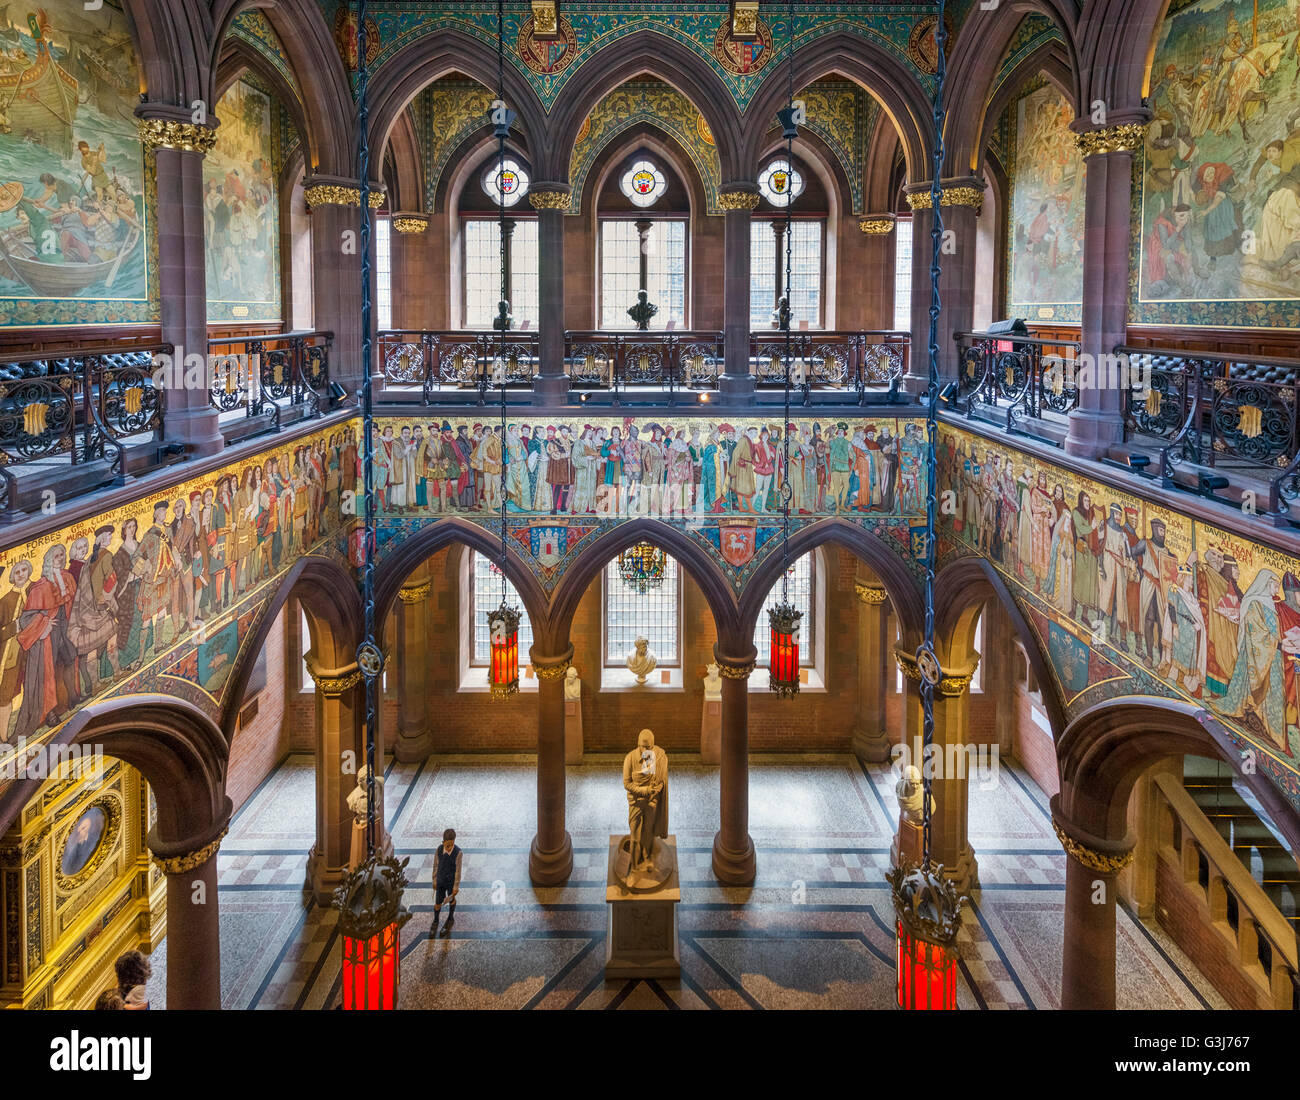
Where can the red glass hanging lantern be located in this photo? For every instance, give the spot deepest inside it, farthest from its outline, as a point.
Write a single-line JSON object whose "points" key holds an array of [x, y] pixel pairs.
{"points": [[371, 916], [503, 664], [926, 905], [783, 658]]}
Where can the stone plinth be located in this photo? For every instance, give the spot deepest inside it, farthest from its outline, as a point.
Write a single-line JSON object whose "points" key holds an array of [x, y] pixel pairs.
{"points": [[642, 933], [711, 732], [573, 731]]}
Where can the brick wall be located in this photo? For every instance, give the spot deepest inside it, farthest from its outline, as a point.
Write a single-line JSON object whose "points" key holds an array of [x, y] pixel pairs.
{"points": [[263, 742], [1034, 748]]}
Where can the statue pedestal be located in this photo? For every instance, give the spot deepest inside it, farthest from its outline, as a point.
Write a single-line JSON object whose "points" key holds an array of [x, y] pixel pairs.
{"points": [[909, 841], [711, 732], [573, 731], [384, 845], [642, 939]]}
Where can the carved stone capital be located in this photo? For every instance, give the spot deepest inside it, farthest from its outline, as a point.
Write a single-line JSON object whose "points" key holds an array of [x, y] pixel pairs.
{"points": [[179, 865], [415, 593], [877, 225], [550, 668], [333, 681], [549, 200], [1104, 863], [872, 594], [406, 223], [168, 133], [1125, 138], [952, 682], [333, 194], [729, 201], [949, 196]]}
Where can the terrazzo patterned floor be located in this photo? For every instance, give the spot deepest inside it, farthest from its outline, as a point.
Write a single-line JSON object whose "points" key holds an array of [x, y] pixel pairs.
{"points": [[815, 931]]}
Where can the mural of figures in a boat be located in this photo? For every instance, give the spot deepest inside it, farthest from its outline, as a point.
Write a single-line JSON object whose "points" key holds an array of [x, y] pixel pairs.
{"points": [[72, 204]]}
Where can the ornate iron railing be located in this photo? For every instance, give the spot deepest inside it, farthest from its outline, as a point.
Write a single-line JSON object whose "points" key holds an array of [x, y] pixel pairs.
{"points": [[271, 373], [437, 360], [85, 405], [670, 361], [1217, 411], [863, 361], [1020, 377]]}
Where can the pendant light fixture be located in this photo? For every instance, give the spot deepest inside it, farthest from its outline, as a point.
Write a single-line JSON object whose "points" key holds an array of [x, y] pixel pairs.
{"points": [[784, 617], [503, 622], [926, 904], [369, 901]]}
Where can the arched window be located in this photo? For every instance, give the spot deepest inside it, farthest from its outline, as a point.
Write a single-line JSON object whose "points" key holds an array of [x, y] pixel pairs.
{"points": [[783, 186], [481, 240], [485, 596], [654, 615], [801, 588], [643, 215]]}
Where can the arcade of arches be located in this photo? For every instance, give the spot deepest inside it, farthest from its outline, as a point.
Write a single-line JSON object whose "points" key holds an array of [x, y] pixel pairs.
{"points": [[1117, 611]]}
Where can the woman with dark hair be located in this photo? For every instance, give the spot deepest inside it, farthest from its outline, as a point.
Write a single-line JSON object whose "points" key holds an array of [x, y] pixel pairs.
{"points": [[133, 972]]}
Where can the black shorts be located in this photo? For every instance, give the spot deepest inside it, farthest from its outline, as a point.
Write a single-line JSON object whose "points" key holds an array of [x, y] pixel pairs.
{"points": [[441, 892]]}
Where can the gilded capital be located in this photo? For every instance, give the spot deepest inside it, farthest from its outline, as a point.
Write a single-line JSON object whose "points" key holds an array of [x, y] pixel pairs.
{"points": [[549, 200], [333, 194], [179, 865], [737, 200], [736, 672], [870, 593], [334, 681], [415, 593], [1093, 860], [949, 196], [1126, 138], [169, 134], [551, 672], [409, 223], [876, 226]]}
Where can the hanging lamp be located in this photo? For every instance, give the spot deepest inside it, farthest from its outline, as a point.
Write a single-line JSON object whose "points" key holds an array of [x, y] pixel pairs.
{"points": [[642, 567], [503, 622], [369, 901], [784, 617], [926, 903]]}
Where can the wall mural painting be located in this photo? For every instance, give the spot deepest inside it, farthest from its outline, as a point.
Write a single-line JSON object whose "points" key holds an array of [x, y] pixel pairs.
{"points": [[566, 482], [1220, 188], [1047, 207], [241, 209], [1131, 598], [170, 586], [73, 236]]}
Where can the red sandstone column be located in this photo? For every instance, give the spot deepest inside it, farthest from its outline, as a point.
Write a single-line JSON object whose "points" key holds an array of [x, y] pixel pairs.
{"points": [[550, 860], [412, 270], [1091, 869], [870, 732], [340, 722], [733, 850], [1108, 155], [336, 268], [193, 920], [738, 200], [878, 241], [551, 201], [960, 207], [414, 735], [178, 147]]}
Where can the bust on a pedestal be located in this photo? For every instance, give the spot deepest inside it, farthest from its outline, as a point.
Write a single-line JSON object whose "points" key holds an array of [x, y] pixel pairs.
{"points": [[642, 886], [909, 842], [641, 662], [359, 804], [711, 723], [572, 717]]}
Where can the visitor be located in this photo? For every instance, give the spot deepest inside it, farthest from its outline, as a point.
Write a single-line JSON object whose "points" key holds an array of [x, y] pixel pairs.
{"points": [[133, 971], [446, 877], [109, 1000]]}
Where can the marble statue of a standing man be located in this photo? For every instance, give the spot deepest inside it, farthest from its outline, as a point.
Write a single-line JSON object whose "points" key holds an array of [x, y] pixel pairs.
{"points": [[645, 778]]}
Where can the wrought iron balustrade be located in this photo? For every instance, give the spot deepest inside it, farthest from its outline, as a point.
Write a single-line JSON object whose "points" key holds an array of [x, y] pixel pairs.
{"points": [[1218, 411], [863, 361], [1015, 377], [435, 360], [688, 360], [269, 374]]}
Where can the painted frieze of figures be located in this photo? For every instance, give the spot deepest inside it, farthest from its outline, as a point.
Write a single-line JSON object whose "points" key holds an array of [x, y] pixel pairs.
{"points": [[1214, 616], [86, 607], [629, 466]]}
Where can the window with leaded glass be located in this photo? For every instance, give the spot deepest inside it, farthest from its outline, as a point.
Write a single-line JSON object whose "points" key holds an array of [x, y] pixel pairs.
{"points": [[485, 597], [620, 271], [654, 615], [801, 588], [483, 271]]}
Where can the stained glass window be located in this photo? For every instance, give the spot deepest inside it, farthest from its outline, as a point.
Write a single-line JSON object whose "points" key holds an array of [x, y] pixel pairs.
{"points": [[801, 595], [620, 271], [654, 615], [487, 597], [780, 183], [506, 181], [643, 183]]}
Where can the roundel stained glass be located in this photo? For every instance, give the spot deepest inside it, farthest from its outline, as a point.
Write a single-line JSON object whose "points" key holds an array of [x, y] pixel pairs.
{"points": [[643, 183], [780, 183], [506, 182]]}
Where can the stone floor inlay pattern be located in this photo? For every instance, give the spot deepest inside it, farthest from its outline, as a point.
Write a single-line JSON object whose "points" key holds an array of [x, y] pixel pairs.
{"points": [[814, 931]]}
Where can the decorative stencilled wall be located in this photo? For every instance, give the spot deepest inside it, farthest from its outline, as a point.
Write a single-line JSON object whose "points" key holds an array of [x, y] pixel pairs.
{"points": [[1217, 193], [1130, 598], [898, 28], [568, 481], [161, 595], [75, 229]]}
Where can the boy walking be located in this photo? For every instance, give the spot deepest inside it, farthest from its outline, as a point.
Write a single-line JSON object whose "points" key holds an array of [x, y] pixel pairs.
{"points": [[446, 876]]}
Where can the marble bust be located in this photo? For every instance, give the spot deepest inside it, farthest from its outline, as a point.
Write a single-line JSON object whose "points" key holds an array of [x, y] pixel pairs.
{"points": [[572, 685], [911, 796], [641, 662], [357, 800], [645, 779], [712, 684]]}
